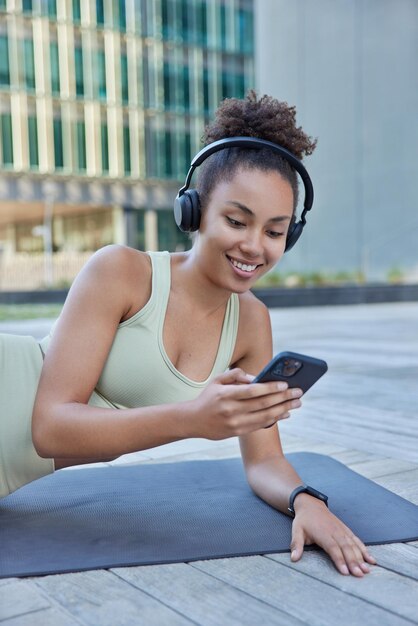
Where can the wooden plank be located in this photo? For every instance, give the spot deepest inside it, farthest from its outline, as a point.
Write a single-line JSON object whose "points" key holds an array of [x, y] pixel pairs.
{"points": [[18, 597], [303, 596], [101, 597], [404, 484], [382, 467], [203, 598], [398, 557], [326, 425], [46, 617], [398, 595]]}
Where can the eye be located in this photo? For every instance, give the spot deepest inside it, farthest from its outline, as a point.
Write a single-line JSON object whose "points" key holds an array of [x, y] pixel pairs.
{"points": [[274, 234], [234, 223]]}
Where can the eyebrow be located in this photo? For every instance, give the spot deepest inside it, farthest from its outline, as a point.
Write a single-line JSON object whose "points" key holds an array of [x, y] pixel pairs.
{"points": [[248, 211]]}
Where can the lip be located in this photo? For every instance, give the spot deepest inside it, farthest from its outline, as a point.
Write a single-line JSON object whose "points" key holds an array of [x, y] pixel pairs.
{"points": [[242, 273]]}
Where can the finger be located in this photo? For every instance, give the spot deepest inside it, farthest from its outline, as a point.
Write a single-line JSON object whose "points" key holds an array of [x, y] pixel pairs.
{"points": [[269, 407], [369, 558], [257, 390], [282, 417], [297, 543], [352, 555], [234, 376], [336, 554], [256, 400]]}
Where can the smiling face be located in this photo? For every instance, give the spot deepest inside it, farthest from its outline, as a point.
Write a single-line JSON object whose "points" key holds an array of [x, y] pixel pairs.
{"points": [[243, 229]]}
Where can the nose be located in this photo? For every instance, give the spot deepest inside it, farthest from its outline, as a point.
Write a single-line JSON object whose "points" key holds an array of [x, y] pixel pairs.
{"points": [[251, 245]]}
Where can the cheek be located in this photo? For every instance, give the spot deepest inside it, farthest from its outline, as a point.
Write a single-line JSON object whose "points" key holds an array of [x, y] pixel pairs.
{"points": [[275, 250]]}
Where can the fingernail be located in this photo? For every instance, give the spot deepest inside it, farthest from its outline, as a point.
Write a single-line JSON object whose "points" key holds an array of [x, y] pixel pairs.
{"points": [[296, 403], [282, 386], [297, 393], [344, 570], [293, 554]]}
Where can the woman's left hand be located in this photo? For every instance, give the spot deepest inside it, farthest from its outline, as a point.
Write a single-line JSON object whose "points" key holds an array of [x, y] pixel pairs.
{"points": [[314, 523]]}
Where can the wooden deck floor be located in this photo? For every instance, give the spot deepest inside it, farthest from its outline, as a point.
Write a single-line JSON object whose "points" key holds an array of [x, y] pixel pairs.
{"points": [[364, 412]]}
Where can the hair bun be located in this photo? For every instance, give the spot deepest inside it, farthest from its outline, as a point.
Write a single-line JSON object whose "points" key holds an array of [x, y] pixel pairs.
{"points": [[265, 118]]}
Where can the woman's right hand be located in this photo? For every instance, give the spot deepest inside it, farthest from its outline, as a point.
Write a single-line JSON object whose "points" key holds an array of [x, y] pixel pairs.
{"points": [[229, 406]]}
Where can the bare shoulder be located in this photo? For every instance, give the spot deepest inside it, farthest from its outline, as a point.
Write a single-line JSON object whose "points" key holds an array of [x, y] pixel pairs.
{"points": [[121, 260], [253, 312], [117, 273]]}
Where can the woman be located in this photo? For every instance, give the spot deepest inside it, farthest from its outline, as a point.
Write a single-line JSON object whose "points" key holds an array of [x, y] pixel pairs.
{"points": [[138, 356]]}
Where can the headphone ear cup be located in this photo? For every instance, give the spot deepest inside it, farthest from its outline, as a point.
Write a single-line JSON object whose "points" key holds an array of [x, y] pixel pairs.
{"points": [[295, 231], [187, 211]]}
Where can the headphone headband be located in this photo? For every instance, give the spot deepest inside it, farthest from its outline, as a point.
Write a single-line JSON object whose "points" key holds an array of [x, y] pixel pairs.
{"points": [[186, 204]]}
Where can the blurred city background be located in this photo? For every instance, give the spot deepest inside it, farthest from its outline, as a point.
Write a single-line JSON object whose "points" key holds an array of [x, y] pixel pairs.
{"points": [[103, 105]]}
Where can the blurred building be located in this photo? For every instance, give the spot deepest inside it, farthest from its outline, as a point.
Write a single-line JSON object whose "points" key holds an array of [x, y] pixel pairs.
{"points": [[102, 105], [350, 68]]}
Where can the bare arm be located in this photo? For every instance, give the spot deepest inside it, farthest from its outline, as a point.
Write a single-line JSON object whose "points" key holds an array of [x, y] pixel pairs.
{"points": [[273, 478], [63, 423], [65, 426]]}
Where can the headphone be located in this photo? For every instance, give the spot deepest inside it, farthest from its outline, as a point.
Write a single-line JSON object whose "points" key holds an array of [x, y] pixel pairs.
{"points": [[187, 203]]}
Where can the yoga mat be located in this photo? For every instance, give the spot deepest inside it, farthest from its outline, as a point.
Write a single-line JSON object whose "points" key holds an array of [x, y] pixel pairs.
{"points": [[77, 520]]}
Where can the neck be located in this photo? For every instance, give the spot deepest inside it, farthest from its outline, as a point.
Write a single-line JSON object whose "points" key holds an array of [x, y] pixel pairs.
{"points": [[190, 279]]}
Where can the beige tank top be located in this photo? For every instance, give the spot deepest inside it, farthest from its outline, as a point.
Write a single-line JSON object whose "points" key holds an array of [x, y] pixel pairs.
{"points": [[138, 371]]}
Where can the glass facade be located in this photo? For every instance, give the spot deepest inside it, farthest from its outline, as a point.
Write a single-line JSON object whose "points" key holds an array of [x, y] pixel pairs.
{"points": [[118, 89]]}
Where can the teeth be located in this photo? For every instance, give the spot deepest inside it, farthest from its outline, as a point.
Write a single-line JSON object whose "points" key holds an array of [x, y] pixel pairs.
{"points": [[243, 266]]}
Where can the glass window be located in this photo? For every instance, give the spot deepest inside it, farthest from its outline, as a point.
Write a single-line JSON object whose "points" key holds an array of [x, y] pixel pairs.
{"points": [[122, 15], [187, 21], [81, 145], [29, 64], [169, 236], [49, 7], [79, 74], [105, 148], [227, 84], [127, 149], [223, 26], [201, 24], [33, 141], [183, 143], [76, 11], [99, 12], [58, 145], [4, 61], [135, 228], [55, 68], [166, 20], [167, 85], [185, 92], [168, 161], [26, 5], [7, 138], [206, 91], [245, 30], [124, 78], [101, 75], [150, 149]]}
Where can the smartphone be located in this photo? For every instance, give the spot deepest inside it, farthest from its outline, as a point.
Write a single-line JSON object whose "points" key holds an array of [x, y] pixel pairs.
{"points": [[298, 370]]}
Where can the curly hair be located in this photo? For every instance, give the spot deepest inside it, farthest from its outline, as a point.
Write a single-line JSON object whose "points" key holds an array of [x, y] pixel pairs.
{"points": [[264, 118]]}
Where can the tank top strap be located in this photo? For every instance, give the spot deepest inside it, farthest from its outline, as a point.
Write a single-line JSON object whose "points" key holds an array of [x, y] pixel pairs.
{"points": [[228, 335], [161, 282]]}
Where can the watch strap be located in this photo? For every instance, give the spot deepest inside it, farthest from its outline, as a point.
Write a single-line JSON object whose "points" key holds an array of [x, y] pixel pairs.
{"points": [[310, 491]]}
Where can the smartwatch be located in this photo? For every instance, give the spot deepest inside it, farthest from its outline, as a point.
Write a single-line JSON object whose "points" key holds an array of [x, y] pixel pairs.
{"points": [[305, 489]]}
